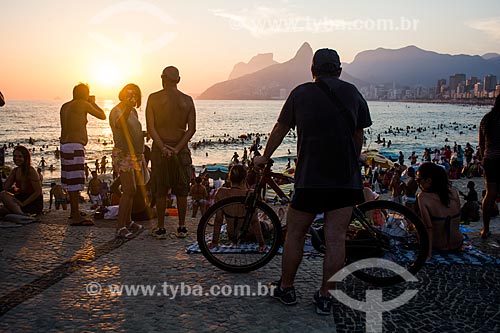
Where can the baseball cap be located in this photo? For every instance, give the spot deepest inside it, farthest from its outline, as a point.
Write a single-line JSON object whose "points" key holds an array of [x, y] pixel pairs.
{"points": [[326, 59], [171, 73]]}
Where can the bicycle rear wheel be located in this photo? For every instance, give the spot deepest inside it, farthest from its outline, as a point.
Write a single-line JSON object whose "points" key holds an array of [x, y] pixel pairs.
{"points": [[400, 237], [236, 251]]}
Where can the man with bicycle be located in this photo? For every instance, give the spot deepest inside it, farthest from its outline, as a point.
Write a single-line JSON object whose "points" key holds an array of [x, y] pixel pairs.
{"points": [[330, 115]]}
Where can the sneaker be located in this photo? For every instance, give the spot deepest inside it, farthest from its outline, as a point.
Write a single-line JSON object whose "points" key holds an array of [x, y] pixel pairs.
{"points": [[323, 304], [160, 233], [286, 295], [181, 232]]}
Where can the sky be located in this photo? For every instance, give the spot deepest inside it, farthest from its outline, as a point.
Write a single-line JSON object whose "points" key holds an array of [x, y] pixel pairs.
{"points": [[46, 47]]}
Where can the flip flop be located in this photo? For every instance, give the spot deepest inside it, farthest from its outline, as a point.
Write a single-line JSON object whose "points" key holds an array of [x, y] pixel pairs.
{"points": [[135, 227], [82, 223], [124, 235]]}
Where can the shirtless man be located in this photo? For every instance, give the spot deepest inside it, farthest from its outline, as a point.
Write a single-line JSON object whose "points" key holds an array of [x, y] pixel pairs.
{"points": [[171, 122], [60, 196], [397, 187], [74, 137], [199, 196], [94, 190]]}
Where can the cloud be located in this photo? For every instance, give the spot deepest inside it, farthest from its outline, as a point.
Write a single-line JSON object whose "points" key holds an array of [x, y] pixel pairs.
{"points": [[490, 26], [263, 20]]}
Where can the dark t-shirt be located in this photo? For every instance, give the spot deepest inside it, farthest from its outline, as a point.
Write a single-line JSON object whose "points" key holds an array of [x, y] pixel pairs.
{"points": [[326, 153]]}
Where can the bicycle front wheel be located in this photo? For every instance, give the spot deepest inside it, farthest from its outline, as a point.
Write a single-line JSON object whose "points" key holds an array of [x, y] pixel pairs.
{"points": [[238, 238], [400, 237]]}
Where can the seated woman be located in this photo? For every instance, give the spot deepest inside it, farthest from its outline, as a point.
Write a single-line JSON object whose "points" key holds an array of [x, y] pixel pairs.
{"points": [[26, 198], [440, 208], [234, 215]]}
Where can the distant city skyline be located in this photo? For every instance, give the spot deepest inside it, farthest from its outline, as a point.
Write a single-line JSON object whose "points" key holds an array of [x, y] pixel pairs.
{"points": [[49, 46], [458, 86]]}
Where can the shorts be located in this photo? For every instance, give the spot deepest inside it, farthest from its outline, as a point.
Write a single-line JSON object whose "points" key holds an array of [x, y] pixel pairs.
{"points": [[125, 162], [316, 201], [72, 166], [95, 199], [170, 173], [410, 200], [491, 171]]}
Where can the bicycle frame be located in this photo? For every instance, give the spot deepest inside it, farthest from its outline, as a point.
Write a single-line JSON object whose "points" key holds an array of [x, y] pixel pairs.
{"points": [[267, 177]]}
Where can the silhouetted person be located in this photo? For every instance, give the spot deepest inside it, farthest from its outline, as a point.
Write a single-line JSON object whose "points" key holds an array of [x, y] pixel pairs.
{"points": [[489, 143], [73, 140], [171, 123], [330, 115]]}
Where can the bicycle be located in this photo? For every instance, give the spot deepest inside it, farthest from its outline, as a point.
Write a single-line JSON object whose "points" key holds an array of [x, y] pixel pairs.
{"points": [[378, 229]]}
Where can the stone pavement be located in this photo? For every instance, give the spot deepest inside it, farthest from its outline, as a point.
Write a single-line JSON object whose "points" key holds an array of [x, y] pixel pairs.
{"points": [[47, 269]]}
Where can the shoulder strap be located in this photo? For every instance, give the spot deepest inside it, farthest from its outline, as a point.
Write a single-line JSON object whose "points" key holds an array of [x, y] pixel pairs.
{"points": [[335, 100]]}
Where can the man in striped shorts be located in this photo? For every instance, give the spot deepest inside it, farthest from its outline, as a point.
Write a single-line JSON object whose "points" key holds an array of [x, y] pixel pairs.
{"points": [[73, 140]]}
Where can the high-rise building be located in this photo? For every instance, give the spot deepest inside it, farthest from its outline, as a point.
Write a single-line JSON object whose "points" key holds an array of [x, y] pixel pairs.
{"points": [[440, 83], [455, 80], [478, 89], [489, 82], [469, 84]]}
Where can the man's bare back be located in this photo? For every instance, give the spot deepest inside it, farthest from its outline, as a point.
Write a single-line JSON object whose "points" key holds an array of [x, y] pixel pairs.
{"points": [[171, 110]]}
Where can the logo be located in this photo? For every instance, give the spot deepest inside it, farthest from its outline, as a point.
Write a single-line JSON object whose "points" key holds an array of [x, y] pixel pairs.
{"points": [[373, 306]]}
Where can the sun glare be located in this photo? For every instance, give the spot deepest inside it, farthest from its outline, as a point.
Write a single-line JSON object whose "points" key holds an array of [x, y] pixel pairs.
{"points": [[107, 74]]}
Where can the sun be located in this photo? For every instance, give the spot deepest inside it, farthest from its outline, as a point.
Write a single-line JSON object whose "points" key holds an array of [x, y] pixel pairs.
{"points": [[106, 74]]}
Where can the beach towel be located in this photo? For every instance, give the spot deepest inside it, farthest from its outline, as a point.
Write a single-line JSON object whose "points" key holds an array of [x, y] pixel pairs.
{"points": [[245, 248], [16, 220], [469, 255]]}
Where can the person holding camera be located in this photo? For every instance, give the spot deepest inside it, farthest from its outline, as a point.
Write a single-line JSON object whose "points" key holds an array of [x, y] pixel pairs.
{"points": [[74, 138]]}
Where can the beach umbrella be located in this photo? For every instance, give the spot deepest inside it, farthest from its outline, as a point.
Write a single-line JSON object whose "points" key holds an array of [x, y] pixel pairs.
{"points": [[215, 171], [380, 160]]}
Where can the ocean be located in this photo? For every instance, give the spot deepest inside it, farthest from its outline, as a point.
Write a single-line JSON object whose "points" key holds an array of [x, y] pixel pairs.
{"points": [[429, 125]]}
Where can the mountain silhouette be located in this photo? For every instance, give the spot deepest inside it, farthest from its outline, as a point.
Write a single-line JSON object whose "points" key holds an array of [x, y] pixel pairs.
{"points": [[412, 66], [490, 55], [272, 82], [255, 64]]}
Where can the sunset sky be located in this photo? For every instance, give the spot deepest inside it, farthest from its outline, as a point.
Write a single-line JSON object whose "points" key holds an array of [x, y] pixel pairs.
{"points": [[46, 47]]}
